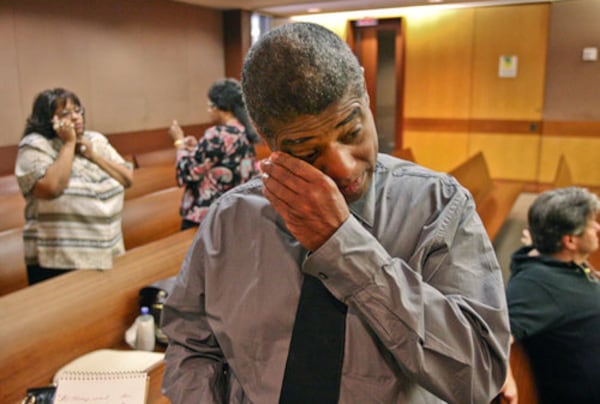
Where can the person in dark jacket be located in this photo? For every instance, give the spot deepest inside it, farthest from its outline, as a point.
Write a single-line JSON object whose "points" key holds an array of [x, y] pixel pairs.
{"points": [[554, 296]]}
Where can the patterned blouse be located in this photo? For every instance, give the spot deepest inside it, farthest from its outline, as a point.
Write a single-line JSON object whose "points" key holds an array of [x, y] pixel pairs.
{"points": [[222, 159]]}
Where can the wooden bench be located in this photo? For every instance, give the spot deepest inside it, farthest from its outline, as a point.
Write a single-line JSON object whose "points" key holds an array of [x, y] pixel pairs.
{"points": [[521, 368], [12, 211], [404, 154], [493, 199], [262, 151], [145, 180], [53, 322], [156, 157], [145, 219], [150, 179], [563, 177], [152, 216], [9, 185], [13, 272], [523, 376]]}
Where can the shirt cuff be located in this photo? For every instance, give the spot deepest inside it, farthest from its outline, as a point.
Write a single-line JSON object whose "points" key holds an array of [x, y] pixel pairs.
{"points": [[348, 261]]}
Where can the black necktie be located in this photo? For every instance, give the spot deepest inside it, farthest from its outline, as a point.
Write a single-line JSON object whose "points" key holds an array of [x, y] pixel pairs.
{"points": [[314, 365]]}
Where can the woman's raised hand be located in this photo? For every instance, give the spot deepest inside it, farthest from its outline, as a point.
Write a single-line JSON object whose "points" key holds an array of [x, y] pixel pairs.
{"points": [[65, 129]]}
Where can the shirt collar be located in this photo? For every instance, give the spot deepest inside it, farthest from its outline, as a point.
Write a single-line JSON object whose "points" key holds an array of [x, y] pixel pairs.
{"points": [[364, 208]]}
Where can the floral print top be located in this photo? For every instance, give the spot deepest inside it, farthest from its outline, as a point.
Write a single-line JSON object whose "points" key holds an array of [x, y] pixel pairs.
{"points": [[222, 159]]}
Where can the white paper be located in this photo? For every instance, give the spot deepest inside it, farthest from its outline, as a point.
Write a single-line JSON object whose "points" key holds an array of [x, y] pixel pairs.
{"points": [[101, 388], [507, 66], [113, 360]]}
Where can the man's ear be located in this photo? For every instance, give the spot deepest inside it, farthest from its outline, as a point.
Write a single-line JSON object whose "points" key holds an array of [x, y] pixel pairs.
{"points": [[367, 98], [569, 242]]}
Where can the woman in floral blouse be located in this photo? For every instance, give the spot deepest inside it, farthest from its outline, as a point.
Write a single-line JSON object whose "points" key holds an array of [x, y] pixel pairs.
{"points": [[223, 158]]}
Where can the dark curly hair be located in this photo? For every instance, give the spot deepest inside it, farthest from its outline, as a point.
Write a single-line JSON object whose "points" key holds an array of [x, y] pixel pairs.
{"points": [[44, 106], [297, 69], [226, 95]]}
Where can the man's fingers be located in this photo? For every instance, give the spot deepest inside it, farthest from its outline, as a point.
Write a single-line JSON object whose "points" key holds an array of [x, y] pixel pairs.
{"points": [[275, 190], [285, 209], [298, 167], [280, 174]]}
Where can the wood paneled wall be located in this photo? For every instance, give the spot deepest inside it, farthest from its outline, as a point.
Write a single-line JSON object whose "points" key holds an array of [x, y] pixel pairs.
{"points": [[135, 64], [478, 110], [456, 104]]}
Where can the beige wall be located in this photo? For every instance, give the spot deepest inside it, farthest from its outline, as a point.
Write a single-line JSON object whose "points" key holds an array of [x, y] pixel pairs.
{"points": [[573, 90], [572, 85], [136, 64]]}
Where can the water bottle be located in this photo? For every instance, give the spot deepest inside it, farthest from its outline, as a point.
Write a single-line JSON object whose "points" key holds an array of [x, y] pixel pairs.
{"points": [[144, 336]]}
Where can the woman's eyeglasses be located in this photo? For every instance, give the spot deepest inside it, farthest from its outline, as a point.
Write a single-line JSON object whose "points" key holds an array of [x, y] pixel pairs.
{"points": [[66, 113]]}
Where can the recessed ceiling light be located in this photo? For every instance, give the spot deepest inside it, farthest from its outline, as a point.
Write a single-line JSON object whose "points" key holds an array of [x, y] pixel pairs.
{"points": [[314, 10]]}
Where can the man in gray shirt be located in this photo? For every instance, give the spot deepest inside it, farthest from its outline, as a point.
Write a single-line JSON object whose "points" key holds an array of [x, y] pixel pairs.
{"points": [[400, 247]]}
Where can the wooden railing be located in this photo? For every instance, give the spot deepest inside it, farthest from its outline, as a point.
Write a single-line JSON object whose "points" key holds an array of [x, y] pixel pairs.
{"points": [[53, 322]]}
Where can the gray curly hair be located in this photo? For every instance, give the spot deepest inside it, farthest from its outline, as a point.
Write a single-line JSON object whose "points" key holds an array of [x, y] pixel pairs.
{"points": [[559, 212], [297, 69]]}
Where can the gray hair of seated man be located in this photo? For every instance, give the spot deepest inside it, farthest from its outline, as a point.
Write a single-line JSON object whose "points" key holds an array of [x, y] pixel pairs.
{"points": [[560, 212], [297, 69]]}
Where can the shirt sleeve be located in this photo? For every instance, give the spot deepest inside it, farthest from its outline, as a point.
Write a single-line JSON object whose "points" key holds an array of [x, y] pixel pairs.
{"points": [[195, 370], [103, 147], [34, 157], [443, 319]]}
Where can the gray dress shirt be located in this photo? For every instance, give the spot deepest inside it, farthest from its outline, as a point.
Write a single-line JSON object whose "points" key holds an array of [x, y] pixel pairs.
{"points": [[427, 319]]}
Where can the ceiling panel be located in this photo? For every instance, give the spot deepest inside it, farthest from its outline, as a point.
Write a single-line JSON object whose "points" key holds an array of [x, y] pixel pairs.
{"points": [[288, 8]]}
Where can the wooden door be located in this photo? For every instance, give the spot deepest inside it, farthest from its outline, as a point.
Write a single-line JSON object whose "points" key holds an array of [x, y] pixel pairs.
{"points": [[379, 46]]}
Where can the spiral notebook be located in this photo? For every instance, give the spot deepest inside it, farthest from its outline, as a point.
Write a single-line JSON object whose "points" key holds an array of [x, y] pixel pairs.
{"points": [[106, 376], [101, 388]]}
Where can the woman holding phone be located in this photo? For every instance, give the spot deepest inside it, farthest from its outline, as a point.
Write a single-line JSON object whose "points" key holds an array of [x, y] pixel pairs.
{"points": [[73, 182]]}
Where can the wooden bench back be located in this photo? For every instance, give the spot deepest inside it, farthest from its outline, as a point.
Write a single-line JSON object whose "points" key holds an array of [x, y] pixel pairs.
{"points": [[493, 199], [262, 151], [152, 216], [9, 185], [12, 212], [404, 154], [145, 180], [53, 322], [521, 368], [145, 219], [563, 176], [13, 272], [151, 179], [474, 175], [156, 158]]}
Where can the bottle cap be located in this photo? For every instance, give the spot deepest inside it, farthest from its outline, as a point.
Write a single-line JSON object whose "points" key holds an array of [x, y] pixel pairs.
{"points": [[145, 310]]}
